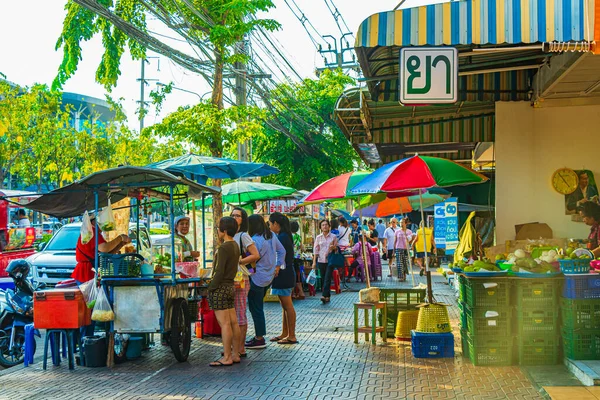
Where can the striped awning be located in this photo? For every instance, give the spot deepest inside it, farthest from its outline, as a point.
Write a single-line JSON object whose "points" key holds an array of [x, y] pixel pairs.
{"points": [[479, 22]]}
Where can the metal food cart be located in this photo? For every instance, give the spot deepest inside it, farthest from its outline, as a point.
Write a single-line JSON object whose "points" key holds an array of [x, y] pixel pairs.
{"points": [[141, 304]]}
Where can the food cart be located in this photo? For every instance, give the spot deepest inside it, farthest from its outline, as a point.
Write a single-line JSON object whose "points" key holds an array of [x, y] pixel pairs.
{"points": [[146, 302]]}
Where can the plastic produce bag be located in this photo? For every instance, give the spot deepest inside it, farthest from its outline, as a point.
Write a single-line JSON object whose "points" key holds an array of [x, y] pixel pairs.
{"points": [[102, 310], [312, 278], [90, 292], [86, 231], [106, 219]]}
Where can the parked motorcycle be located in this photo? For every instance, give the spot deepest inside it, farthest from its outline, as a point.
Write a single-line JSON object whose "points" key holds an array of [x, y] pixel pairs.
{"points": [[16, 311]]}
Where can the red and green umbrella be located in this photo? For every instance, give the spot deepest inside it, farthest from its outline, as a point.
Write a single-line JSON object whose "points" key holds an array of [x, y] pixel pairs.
{"points": [[417, 172]]}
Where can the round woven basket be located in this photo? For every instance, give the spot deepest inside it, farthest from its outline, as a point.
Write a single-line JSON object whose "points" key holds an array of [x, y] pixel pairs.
{"points": [[433, 318], [407, 321]]}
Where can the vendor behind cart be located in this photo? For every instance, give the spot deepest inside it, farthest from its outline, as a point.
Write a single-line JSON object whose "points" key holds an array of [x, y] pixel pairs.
{"points": [[182, 228], [85, 254]]}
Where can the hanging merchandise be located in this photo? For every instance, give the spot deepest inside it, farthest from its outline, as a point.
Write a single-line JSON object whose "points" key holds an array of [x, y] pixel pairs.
{"points": [[89, 290], [102, 309], [86, 231], [106, 219]]}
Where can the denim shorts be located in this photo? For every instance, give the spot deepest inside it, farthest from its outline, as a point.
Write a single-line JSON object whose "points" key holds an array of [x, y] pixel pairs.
{"points": [[281, 292]]}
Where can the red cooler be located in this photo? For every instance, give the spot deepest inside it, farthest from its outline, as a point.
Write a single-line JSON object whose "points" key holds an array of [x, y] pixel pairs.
{"points": [[60, 309]]}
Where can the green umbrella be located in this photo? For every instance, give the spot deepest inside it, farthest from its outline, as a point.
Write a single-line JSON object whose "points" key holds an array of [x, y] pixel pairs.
{"points": [[242, 192]]}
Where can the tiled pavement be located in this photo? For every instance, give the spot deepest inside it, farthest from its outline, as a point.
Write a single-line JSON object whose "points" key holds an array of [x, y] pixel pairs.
{"points": [[325, 365]]}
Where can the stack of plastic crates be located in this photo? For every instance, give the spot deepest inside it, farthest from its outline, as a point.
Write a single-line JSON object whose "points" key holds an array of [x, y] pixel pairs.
{"points": [[538, 315], [399, 300], [580, 306], [432, 338], [486, 320]]}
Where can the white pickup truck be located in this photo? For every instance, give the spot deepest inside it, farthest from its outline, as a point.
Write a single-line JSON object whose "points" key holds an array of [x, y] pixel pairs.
{"points": [[56, 261]]}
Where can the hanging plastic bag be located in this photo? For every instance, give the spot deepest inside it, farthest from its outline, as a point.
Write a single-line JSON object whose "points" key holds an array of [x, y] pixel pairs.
{"points": [[106, 219], [86, 231], [239, 280], [312, 278], [102, 310], [89, 290]]}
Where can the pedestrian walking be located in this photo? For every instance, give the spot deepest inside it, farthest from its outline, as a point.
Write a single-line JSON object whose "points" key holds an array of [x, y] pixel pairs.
{"points": [[221, 297], [344, 233], [285, 278], [272, 256], [325, 243], [249, 255], [402, 243], [388, 243], [380, 227]]}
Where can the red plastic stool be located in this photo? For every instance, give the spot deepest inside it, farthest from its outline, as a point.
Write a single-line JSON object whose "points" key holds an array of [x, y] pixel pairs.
{"points": [[335, 282]]}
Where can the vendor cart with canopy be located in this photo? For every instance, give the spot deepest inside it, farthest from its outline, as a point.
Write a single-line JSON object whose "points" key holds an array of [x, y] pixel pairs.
{"points": [[159, 301]]}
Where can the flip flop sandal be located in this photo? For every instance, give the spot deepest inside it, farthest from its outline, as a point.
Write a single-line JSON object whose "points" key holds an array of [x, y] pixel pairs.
{"points": [[242, 355], [275, 339], [287, 341], [219, 364]]}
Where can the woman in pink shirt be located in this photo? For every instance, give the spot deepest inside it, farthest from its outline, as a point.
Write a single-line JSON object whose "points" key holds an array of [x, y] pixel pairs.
{"points": [[325, 243], [402, 242]]}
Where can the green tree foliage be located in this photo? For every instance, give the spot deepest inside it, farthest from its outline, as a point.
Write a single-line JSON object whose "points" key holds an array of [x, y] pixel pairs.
{"points": [[326, 153], [211, 27]]}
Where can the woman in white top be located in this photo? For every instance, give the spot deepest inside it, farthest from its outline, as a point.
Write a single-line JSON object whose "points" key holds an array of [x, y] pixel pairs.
{"points": [[248, 254], [345, 231]]}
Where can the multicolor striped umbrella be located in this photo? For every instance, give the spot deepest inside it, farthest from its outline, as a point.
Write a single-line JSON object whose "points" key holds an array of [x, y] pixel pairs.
{"points": [[336, 188], [400, 205], [417, 172]]}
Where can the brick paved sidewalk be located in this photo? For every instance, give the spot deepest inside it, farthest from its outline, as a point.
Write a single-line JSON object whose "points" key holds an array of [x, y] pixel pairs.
{"points": [[326, 364]]}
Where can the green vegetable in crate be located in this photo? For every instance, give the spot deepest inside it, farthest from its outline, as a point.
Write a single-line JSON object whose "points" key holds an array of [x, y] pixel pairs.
{"points": [[500, 257]]}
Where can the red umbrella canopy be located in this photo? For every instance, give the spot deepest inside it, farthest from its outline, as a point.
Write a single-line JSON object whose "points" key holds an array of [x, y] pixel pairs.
{"points": [[417, 172], [336, 188]]}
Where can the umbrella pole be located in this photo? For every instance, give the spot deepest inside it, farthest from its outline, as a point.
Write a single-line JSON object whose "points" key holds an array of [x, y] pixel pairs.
{"points": [[195, 224], [203, 233], [427, 272]]}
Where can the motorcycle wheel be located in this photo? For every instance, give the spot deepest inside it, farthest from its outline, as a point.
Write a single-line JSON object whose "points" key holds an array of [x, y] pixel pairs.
{"points": [[9, 357]]}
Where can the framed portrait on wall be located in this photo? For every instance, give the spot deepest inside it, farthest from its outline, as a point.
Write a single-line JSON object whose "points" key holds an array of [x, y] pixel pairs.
{"points": [[586, 191]]}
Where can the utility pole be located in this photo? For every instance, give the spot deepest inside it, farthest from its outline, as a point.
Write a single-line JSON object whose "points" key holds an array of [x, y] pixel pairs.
{"points": [[143, 83], [241, 92], [339, 61]]}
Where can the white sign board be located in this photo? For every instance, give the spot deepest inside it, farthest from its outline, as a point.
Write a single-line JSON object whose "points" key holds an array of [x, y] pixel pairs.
{"points": [[428, 75]]}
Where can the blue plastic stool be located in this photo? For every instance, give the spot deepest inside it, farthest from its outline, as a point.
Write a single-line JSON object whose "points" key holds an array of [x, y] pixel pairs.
{"points": [[68, 338], [30, 334]]}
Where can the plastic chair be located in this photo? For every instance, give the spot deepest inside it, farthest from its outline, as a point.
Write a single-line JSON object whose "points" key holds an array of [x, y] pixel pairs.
{"points": [[53, 336], [335, 282], [30, 334]]}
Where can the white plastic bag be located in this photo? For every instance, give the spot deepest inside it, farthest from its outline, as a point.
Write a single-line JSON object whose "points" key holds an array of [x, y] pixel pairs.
{"points": [[86, 231], [312, 278], [106, 219], [102, 310], [89, 290]]}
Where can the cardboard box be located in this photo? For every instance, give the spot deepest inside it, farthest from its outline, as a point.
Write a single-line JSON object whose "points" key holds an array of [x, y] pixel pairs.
{"points": [[534, 230]]}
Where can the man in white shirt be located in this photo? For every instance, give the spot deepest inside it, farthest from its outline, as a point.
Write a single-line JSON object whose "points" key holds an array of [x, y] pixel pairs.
{"points": [[22, 219], [388, 243]]}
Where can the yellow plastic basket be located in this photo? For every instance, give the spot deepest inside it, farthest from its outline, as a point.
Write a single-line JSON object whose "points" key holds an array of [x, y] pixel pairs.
{"points": [[407, 321], [433, 318]]}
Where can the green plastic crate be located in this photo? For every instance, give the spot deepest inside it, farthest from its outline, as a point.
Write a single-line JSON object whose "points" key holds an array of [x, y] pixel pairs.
{"points": [[491, 351], [487, 292], [581, 344], [545, 321], [537, 292], [398, 299], [580, 314], [464, 340], [463, 315], [488, 321], [538, 349]]}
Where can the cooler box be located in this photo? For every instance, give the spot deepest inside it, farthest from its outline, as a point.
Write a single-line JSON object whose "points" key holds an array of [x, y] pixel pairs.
{"points": [[60, 309]]}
